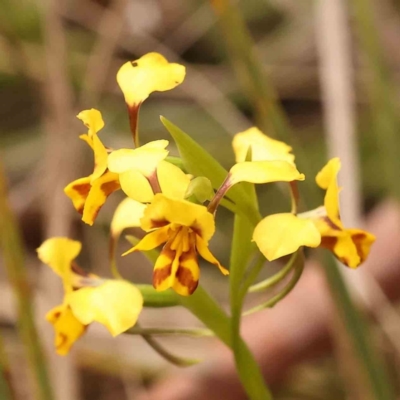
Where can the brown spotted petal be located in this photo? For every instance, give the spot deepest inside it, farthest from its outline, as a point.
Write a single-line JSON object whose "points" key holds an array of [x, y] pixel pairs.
{"points": [[68, 329], [177, 268], [78, 192], [100, 190]]}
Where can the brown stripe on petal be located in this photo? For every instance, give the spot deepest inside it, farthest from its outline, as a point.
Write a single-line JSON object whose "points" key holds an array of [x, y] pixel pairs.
{"points": [[159, 223], [358, 240], [184, 275], [82, 189], [330, 223], [328, 242], [196, 228], [108, 187], [161, 274], [185, 278]]}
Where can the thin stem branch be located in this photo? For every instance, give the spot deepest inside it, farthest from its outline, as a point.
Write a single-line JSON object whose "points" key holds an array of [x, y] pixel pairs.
{"points": [[220, 193], [178, 361], [298, 271], [193, 332], [276, 278]]}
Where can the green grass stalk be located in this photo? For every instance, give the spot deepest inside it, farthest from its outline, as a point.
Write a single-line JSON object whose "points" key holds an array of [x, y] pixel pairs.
{"points": [[13, 256], [382, 94], [372, 366]]}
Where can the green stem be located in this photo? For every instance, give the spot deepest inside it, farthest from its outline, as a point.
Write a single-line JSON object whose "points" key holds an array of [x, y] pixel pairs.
{"points": [[298, 270], [276, 278], [372, 366], [13, 254], [193, 332], [7, 391], [252, 276], [113, 242], [207, 311], [164, 353], [155, 299]]}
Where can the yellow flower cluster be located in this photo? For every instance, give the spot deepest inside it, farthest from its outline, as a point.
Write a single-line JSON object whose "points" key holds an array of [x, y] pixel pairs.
{"points": [[160, 202]]}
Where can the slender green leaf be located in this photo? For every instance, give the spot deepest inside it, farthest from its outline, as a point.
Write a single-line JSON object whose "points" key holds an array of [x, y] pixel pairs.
{"points": [[371, 364], [382, 92], [199, 162]]}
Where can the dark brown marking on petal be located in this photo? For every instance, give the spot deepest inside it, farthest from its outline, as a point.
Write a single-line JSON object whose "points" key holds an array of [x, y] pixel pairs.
{"points": [[330, 223], [328, 242], [357, 239], [161, 274], [196, 228], [108, 187], [159, 223], [82, 189], [134, 63], [185, 278], [57, 315]]}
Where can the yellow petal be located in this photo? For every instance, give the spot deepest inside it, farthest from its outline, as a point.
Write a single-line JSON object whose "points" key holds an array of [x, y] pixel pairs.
{"points": [[204, 251], [328, 173], [263, 148], [151, 240], [343, 248], [114, 304], [150, 73], [281, 234], [173, 181], [78, 192], [94, 122], [363, 241], [144, 159], [67, 328], [100, 190], [127, 215], [164, 210], [100, 158], [350, 246], [327, 179], [264, 172], [136, 186], [58, 253], [165, 268], [92, 119], [188, 273], [86, 138]]}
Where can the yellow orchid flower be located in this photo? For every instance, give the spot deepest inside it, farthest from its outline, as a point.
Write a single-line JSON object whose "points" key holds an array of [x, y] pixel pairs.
{"points": [[263, 148], [350, 246], [143, 172], [116, 304], [88, 194], [150, 73], [259, 159], [281, 234], [138, 79], [186, 228]]}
